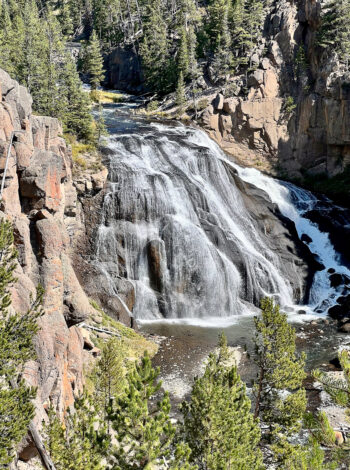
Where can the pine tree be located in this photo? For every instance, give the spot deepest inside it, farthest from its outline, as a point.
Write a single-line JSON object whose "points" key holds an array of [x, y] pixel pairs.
{"points": [[16, 348], [143, 430], [109, 375], [334, 32], [66, 20], [180, 93], [81, 441], [94, 62], [154, 49], [280, 368], [76, 116], [51, 100], [6, 41], [33, 72], [183, 59], [218, 424], [217, 21]]}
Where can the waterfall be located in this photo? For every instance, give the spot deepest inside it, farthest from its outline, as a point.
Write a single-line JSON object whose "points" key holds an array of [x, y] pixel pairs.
{"points": [[295, 203], [175, 225]]}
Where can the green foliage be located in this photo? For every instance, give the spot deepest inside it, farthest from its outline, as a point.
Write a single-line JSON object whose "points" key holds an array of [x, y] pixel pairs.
{"points": [[32, 50], [280, 369], [81, 442], [93, 62], [218, 425], [101, 129], [301, 457], [334, 32], [109, 375], [322, 431], [16, 348], [301, 59], [289, 105], [153, 106], [154, 49], [143, 430], [180, 92], [338, 389]]}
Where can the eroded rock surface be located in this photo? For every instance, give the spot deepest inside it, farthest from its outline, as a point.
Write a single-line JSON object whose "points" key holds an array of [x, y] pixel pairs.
{"points": [[41, 201], [291, 114]]}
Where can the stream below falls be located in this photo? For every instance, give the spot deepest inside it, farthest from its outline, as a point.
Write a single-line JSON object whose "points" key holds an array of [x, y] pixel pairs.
{"points": [[199, 240]]}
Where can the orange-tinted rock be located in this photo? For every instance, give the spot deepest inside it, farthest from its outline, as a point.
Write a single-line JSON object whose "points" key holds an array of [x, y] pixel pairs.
{"points": [[38, 193]]}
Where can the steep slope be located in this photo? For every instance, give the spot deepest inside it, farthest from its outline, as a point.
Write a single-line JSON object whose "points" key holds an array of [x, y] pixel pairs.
{"points": [[41, 201], [289, 113]]}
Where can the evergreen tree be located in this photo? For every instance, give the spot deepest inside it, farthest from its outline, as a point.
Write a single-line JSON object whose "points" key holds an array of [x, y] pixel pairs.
{"points": [[51, 100], [339, 391], [334, 32], [6, 41], [76, 116], [180, 93], [218, 424], [183, 58], [245, 25], [109, 375], [154, 49], [16, 348], [66, 20], [280, 368], [143, 430], [94, 62], [217, 22], [81, 442], [33, 72]]}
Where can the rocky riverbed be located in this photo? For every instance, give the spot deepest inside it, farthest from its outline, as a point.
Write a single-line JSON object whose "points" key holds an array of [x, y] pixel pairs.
{"points": [[184, 348]]}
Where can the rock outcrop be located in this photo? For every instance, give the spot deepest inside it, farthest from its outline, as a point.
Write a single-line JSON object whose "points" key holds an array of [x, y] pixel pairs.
{"points": [[124, 71], [41, 201], [290, 114]]}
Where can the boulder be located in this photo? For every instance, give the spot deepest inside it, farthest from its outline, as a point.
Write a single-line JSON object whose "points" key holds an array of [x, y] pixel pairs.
{"points": [[218, 102], [345, 328], [339, 438]]}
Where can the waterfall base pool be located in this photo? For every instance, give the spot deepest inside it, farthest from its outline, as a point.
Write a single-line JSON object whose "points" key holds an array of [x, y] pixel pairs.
{"points": [[184, 348]]}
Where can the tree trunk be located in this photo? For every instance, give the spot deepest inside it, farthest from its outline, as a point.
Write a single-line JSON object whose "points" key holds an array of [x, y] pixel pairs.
{"points": [[258, 397], [46, 459]]}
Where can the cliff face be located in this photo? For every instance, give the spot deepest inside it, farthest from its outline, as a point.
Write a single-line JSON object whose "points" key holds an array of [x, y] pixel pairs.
{"points": [[291, 112], [41, 201]]}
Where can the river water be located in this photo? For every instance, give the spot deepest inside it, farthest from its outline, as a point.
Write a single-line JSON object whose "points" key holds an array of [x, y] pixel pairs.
{"points": [[175, 225]]}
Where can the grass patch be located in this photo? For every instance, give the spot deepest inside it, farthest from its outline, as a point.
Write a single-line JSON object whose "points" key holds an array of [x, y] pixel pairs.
{"points": [[79, 149], [132, 342], [104, 97]]}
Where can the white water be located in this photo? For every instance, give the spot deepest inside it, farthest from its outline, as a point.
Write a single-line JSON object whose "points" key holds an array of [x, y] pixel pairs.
{"points": [[175, 225], [294, 203]]}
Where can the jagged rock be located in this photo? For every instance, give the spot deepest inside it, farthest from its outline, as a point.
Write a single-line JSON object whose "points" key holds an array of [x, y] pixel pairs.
{"points": [[38, 195], [312, 138], [125, 71], [256, 78], [218, 103]]}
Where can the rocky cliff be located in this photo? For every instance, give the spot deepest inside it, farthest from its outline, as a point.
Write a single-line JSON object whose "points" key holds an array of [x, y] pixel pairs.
{"points": [[41, 201], [289, 113]]}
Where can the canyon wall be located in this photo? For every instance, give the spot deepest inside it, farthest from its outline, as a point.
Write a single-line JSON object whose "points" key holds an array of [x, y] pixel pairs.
{"points": [[41, 201], [289, 114]]}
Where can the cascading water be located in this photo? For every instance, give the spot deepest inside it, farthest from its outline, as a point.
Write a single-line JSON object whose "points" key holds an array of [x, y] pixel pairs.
{"points": [[175, 225]]}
